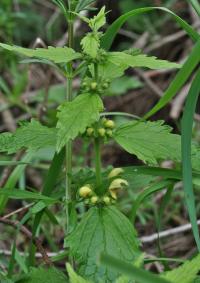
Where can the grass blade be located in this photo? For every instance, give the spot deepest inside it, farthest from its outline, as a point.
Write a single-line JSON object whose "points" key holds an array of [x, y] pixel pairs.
{"points": [[180, 79], [187, 123], [147, 192], [112, 31], [141, 275], [195, 5], [49, 185], [14, 177]]}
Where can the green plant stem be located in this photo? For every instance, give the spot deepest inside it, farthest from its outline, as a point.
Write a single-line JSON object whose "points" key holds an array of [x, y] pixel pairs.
{"points": [[97, 149], [69, 97]]}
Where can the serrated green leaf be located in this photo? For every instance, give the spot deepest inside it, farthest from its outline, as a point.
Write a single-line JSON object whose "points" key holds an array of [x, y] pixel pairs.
{"points": [[186, 273], [141, 60], [54, 54], [110, 71], [90, 44], [32, 136], [98, 21], [75, 116], [149, 141], [42, 275], [74, 277], [102, 230]]}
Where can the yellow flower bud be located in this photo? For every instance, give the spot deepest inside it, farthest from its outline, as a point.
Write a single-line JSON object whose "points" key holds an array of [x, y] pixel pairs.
{"points": [[106, 200], [115, 172], [109, 124], [109, 133], [94, 199], [102, 132], [85, 191], [93, 85], [118, 184], [90, 131]]}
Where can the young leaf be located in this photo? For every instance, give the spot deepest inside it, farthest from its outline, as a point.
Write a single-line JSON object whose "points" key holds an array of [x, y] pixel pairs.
{"points": [[74, 277], [102, 230], [186, 273], [55, 54], [90, 44], [127, 60], [98, 21], [149, 141], [42, 275], [75, 116], [32, 136]]}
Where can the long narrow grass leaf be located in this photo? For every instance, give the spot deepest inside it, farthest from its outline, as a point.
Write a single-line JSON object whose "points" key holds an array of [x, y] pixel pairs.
{"points": [[187, 123], [180, 79], [141, 275], [112, 31]]}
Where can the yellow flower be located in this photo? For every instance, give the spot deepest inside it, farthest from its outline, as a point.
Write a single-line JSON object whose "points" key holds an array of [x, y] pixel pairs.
{"points": [[115, 172]]}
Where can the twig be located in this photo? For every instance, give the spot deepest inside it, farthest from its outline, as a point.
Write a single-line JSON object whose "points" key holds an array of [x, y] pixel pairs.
{"points": [[36, 241], [22, 209], [169, 232]]}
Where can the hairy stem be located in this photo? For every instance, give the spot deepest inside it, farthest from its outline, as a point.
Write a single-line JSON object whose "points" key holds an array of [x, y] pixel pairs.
{"points": [[97, 149], [69, 144]]}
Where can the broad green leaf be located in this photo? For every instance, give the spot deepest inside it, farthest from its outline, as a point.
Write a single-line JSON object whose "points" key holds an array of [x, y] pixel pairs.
{"points": [[44, 275], [102, 230], [98, 21], [112, 31], [74, 277], [187, 123], [31, 135], [186, 273], [149, 141], [180, 79], [54, 54], [111, 71], [126, 60], [90, 44], [75, 116], [139, 274]]}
